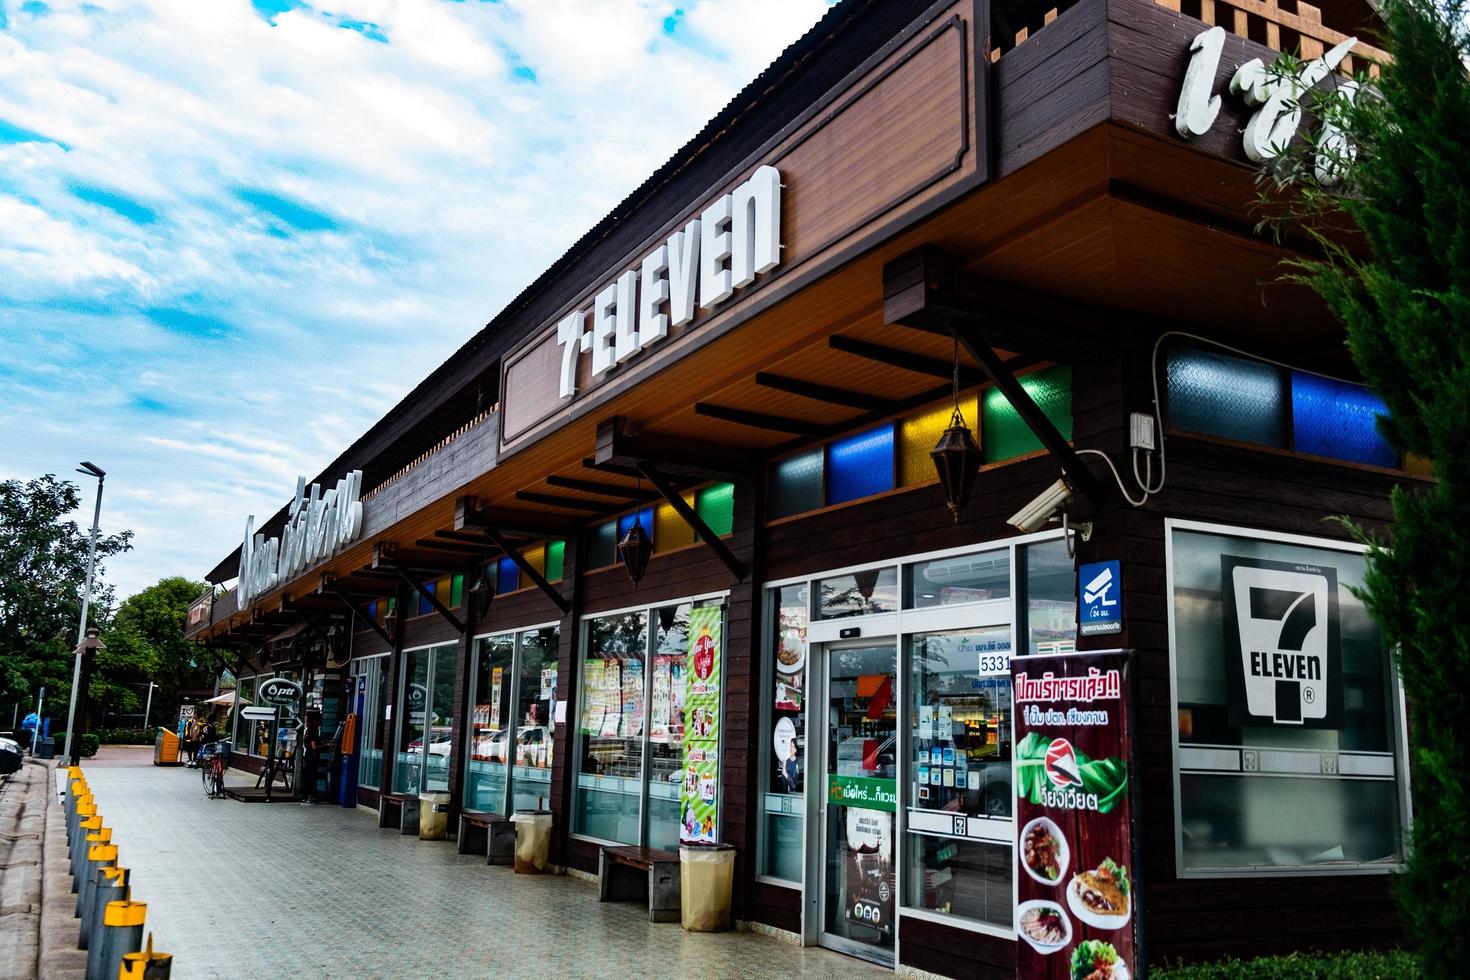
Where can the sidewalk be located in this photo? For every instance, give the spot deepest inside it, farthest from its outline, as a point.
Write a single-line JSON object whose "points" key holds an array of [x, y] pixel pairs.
{"points": [[254, 889]]}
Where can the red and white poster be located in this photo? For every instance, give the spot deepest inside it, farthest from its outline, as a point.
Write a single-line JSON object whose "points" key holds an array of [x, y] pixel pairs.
{"points": [[1076, 871]]}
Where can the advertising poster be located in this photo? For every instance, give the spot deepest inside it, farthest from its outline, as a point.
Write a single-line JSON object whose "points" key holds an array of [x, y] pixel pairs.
{"points": [[594, 701], [548, 684], [869, 805], [662, 700], [699, 798], [1076, 872], [1282, 643]]}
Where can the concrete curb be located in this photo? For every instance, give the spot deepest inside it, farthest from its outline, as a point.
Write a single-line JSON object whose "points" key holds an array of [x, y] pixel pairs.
{"points": [[23, 799]]}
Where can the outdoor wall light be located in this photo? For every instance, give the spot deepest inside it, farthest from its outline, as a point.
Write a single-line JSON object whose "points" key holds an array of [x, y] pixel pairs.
{"points": [[482, 593], [390, 620], [956, 456], [635, 549]]}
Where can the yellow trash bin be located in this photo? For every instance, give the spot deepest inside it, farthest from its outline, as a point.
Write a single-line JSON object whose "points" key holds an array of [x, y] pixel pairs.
{"points": [[433, 816], [707, 876], [533, 841]]}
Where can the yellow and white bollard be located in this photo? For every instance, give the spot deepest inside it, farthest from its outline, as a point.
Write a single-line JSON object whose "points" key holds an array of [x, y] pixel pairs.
{"points": [[146, 965], [122, 933]]}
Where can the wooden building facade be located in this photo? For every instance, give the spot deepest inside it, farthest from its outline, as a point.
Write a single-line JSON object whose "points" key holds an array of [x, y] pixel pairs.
{"points": [[916, 207]]}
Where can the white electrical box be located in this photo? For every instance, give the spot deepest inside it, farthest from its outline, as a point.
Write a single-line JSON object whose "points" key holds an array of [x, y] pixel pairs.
{"points": [[1141, 431]]}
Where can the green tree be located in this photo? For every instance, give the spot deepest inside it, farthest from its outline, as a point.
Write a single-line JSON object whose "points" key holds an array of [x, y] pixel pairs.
{"points": [[1399, 178], [146, 642], [43, 572]]}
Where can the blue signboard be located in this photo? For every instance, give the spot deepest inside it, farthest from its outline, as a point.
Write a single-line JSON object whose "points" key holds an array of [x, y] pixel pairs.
{"points": [[1100, 598]]}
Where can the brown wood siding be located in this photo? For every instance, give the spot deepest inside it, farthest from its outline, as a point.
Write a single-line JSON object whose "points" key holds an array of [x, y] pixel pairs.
{"points": [[952, 952], [1197, 918], [775, 906]]}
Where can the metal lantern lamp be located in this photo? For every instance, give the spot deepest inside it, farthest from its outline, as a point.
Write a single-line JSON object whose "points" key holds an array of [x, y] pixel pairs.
{"points": [[957, 455], [482, 593], [635, 549], [390, 620]]}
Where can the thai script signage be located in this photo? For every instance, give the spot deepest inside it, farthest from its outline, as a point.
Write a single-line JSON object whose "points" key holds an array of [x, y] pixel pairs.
{"points": [[1276, 96], [1076, 865], [1282, 643], [317, 526]]}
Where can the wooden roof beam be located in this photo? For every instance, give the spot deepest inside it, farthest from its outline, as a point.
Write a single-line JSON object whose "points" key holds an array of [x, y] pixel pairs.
{"points": [[560, 500], [906, 360], [472, 513], [676, 458], [760, 420], [827, 393], [603, 489]]}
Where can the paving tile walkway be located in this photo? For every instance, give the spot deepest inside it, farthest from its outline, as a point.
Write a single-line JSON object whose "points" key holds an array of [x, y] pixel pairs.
{"points": [[250, 889]]}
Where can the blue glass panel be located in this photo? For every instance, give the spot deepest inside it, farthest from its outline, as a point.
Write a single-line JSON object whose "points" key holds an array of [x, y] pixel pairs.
{"points": [[1337, 419], [796, 484], [507, 576], [1225, 396], [372, 610], [860, 465], [424, 607], [645, 516]]}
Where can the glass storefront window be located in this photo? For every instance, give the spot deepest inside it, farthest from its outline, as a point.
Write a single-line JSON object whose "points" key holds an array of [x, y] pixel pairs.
{"points": [[610, 770], [1275, 771], [666, 725], [371, 673], [864, 593], [782, 801], [245, 698], [958, 774], [413, 702], [491, 726], [962, 578], [536, 695], [1049, 605]]}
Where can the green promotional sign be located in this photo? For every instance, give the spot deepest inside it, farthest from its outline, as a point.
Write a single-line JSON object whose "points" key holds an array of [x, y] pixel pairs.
{"points": [[866, 792], [699, 797]]}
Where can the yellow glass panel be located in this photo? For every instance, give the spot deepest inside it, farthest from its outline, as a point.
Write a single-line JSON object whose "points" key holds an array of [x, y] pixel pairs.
{"points": [[1418, 465], [537, 557], [671, 531], [918, 434], [444, 589]]}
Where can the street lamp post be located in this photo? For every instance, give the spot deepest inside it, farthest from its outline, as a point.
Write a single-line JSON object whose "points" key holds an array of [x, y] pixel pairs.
{"points": [[148, 707], [86, 469]]}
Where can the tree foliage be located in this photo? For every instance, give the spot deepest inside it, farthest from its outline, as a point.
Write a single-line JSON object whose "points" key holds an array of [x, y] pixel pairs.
{"points": [[43, 572], [1404, 301], [145, 641]]}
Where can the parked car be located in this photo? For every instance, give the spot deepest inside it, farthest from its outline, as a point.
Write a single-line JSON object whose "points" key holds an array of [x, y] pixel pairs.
{"points": [[12, 756]]}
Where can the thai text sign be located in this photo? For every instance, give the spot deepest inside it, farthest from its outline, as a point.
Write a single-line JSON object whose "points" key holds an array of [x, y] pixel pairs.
{"points": [[1076, 911]]}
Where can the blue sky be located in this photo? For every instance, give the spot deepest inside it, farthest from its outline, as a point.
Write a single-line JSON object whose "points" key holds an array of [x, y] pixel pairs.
{"points": [[234, 233]]}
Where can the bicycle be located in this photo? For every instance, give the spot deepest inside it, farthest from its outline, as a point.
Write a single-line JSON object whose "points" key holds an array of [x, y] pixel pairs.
{"points": [[212, 768]]}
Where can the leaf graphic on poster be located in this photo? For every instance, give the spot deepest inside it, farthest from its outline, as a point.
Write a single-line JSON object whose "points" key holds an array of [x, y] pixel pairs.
{"points": [[1107, 778]]}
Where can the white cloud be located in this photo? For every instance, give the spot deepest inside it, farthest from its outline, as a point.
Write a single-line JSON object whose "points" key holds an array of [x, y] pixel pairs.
{"points": [[157, 319]]}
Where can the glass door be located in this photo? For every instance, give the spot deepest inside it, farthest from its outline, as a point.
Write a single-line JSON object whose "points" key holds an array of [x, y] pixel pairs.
{"points": [[859, 889]]}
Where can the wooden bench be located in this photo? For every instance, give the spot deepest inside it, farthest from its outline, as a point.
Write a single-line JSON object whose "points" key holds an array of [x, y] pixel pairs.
{"points": [[625, 873], [489, 834], [397, 810]]}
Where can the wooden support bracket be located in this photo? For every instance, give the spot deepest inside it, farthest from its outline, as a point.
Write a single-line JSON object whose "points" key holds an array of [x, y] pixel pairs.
{"points": [[438, 606], [529, 570], [691, 517]]}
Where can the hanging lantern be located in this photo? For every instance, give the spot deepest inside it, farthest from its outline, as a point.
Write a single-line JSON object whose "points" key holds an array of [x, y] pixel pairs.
{"points": [[390, 620], [957, 455], [635, 549], [482, 593]]}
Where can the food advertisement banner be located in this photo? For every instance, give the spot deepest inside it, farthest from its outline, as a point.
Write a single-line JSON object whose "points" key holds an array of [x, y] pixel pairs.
{"points": [[1282, 643], [699, 798], [1076, 911]]}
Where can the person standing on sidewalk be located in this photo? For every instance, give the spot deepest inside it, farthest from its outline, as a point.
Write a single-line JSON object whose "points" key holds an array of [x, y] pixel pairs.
{"points": [[311, 747]]}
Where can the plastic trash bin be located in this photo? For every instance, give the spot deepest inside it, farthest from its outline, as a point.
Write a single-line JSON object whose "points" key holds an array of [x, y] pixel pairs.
{"points": [[707, 875], [45, 748], [433, 816], [533, 841]]}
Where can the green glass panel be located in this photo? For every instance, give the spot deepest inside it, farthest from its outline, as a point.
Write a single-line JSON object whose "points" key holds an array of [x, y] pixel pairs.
{"points": [[1005, 435], [456, 592], [715, 504], [556, 554]]}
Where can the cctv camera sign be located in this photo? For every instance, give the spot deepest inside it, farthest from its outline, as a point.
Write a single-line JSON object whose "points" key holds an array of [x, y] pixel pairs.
{"points": [[1099, 598], [1282, 642]]}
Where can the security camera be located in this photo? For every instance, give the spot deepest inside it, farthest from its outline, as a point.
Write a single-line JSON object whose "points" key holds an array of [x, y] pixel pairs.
{"points": [[1033, 516]]}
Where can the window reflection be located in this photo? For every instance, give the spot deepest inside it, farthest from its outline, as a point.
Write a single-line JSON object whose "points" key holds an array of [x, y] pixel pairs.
{"points": [[864, 593]]}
